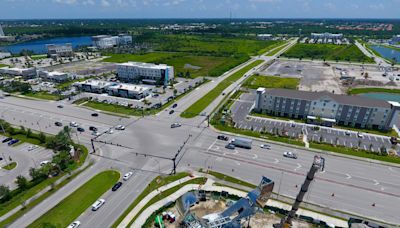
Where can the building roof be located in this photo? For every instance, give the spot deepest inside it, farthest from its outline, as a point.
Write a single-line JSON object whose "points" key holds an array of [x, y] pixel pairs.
{"points": [[99, 83], [145, 65], [341, 99], [130, 87]]}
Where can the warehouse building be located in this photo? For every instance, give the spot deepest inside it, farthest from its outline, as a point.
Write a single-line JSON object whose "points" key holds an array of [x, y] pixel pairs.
{"points": [[147, 73], [328, 109], [129, 91], [59, 50], [24, 72]]}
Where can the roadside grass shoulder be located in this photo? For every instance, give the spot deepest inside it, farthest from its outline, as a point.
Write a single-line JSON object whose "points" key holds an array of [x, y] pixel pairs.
{"points": [[156, 183], [355, 91], [10, 166], [75, 204], [43, 96], [255, 81], [231, 179], [197, 107]]}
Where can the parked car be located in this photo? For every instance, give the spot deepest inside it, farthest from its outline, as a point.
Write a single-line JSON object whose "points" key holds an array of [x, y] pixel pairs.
{"points": [[95, 114], [265, 146], [116, 186], [75, 224], [393, 140], [360, 135], [174, 105], [95, 133], [58, 124], [80, 129], [60, 106], [73, 124], [223, 137], [175, 125], [171, 112], [127, 176], [290, 155], [43, 163], [98, 204], [93, 128], [347, 133], [6, 140], [120, 127], [230, 146], [12, 142]]}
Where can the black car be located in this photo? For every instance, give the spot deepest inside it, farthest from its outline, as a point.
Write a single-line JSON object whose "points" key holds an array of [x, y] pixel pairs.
{"points": [[60, 106], [80, 129], [171, 112], [174, 105], [116, 186], [223, 137], [95, 114], [6, 140], [58, 124], [93, 128]]}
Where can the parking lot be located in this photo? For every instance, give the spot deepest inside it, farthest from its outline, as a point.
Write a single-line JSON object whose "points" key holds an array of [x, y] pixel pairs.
{"points": [[240, 113], [25, 155]]}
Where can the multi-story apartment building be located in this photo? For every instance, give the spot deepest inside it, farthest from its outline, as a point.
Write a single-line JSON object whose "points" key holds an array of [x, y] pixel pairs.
{"points": [[326, 35], [60, 50], [106, 41], [148, 73], [354, 111]]}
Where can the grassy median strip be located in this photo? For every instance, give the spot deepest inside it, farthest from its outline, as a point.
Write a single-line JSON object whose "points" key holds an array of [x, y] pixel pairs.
{"points": [[372, 90], [168, 192], [156, 183], [278, 49], [10, 166], [196, 108], [75, 204], [224, 177]]}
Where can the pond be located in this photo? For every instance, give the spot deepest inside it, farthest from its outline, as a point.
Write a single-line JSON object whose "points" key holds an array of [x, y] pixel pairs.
{"points": [[39, 46], [383, 96], [387, 53]]}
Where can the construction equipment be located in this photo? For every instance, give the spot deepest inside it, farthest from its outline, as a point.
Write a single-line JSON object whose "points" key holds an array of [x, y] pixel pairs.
{"points": [[318, 164]]}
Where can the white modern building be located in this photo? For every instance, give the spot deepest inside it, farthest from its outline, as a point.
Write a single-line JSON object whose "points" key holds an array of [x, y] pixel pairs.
{"points": [[326, 35], [147, 73], [129, 91], [107, 41], [94, 86], [4, 55], [264, 36], [54, 76], [60, 50], [24, 72]]}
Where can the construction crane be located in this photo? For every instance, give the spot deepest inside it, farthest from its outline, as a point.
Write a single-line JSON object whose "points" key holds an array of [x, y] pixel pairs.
{"points": [[318, 164]]}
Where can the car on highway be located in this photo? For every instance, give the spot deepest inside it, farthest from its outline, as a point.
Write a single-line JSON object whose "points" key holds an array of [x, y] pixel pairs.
{"points": [[116, 186], [93, 128], [171, 112], [223, 137], [95, 114], [12, 142], [175, 125], [110, 131], [230, 146], [80, 129], [6, 140], [265, 146], [60, 106], [347, 133], [74, 224], [289, 155], [174, 105], [58, 124], [127, 176], [98, 204], [360, 135], [120, 127], [73, 124]]}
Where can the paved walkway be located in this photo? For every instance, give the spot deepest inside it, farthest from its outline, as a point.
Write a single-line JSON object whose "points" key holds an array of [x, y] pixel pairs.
{"points": [[141, 219]]}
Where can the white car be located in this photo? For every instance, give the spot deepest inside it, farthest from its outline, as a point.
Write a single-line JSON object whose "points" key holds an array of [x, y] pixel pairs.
{"points": [[360, 135], [175, 125], [75, 224], [290, 155], [73, 124], [98, 204], [32, 147], [120, 127], [110, 131], [127, 176], [43, 163], [265, 146], [95, 133]]}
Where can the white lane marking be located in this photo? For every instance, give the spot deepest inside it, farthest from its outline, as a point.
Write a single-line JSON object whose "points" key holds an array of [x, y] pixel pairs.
{"points": [[348, 176], [376, 182], [298, 167], [276, 161], [382, 189], [255, 156], [237, 163], [211, 145]]}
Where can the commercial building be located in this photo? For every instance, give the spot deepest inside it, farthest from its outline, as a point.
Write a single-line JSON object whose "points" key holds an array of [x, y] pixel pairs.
{"points": [[129, 91], [327, 108], [326, 35], [147, 73], [60, 50], [94, 86], [4, 55], [54, 76], [107, 41], [264, 36], [24, 72]]}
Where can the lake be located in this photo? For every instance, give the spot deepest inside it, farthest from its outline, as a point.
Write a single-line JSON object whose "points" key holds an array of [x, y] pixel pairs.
{"points": [[387, 52], [383, 96], [39, 46]]}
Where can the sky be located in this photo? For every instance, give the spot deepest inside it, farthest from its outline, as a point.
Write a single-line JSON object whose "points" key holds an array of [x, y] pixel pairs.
{"points": [[41, 9]]}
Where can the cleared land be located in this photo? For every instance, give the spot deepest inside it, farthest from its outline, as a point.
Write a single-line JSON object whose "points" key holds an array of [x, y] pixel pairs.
{"points": [[196, 108], [327, 52], [256, 81], [75, 204]]}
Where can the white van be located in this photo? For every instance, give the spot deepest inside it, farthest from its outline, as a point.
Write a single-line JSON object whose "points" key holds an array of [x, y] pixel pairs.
{"points": [[98, 204]]}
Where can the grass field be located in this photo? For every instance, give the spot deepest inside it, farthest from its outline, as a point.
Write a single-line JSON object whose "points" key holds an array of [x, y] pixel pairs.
{"points": [[10, 166], [256, 81], [43, 96], [75, 204], [372, 90], [113, 108], [154, 57], [37, 57], [330, 52], [196, 108]]}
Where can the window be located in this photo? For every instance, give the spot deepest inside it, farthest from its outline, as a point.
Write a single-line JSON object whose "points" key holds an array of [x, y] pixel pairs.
{"points": [[315, 102]]}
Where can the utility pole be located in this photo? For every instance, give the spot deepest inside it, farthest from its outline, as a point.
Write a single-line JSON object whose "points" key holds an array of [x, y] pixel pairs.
{"points": [[177, 154]]}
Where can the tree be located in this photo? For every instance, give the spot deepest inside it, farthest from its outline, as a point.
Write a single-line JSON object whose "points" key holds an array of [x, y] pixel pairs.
{"points": [[61, 160], [61, 141], [42, 137], [175, 92], [29, 133], [187, 74], [22, 182], [5, 193], [366, 75]]}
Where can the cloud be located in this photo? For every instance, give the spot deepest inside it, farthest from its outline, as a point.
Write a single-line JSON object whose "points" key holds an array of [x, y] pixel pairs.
{"points": [[68, 2], [105, 3]]}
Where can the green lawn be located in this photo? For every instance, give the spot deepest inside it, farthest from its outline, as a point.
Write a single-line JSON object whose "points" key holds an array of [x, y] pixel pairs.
{"points": [[230, 179], [372, 90], [37, 57], [3, 65], [75, 204], [10, 166], [256, 81], [156, 183], [196, 108], [43, 95], [153, 57], [330, 52], [113, 108]]}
